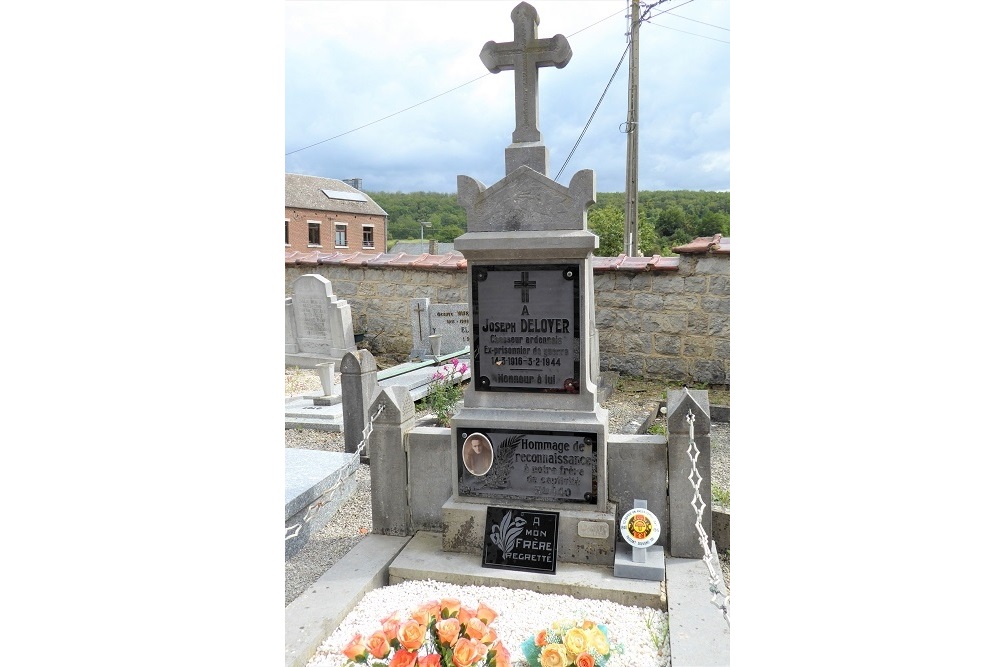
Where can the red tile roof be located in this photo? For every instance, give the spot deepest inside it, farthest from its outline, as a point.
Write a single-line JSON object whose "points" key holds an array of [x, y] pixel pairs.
{"points": [[456, 262]]}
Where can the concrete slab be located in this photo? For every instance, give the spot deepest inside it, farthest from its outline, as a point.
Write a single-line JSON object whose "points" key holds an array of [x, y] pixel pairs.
{"points": [[324, 479], [308, 473], [301, 412], [423, 558], [315, 614], [699, 634]]}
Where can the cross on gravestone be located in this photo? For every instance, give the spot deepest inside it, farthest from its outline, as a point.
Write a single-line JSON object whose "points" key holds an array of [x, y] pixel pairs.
{"points": [[525, 55], [524, 285]]}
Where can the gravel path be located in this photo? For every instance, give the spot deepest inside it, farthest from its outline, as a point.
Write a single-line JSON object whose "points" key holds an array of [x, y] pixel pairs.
{"points": [[352, 522]]}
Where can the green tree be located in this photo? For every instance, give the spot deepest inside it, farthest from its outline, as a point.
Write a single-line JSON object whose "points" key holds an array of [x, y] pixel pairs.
{"points": [[609, 225]]}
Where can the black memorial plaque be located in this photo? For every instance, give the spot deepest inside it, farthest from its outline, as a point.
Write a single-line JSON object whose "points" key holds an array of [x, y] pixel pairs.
{"points": [[521, 540], [526, 328], [527, 466]]}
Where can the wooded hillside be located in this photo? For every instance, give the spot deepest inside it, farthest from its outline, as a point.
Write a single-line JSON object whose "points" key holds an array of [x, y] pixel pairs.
{"points": [[667, 218]]}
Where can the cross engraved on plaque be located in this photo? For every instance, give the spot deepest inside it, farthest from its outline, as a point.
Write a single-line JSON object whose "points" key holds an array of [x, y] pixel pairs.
{"points": [[525, 55], [524, 285]]}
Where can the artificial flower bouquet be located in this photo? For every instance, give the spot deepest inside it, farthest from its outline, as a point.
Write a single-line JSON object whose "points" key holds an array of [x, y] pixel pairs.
{"points": [[440, 633], [569, 643]]}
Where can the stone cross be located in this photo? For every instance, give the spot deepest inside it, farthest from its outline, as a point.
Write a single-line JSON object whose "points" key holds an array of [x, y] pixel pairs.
{"points": [[525, 55]]}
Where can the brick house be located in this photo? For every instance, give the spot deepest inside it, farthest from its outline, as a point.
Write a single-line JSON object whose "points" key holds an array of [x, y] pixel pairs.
{"points": [[328, 215]]}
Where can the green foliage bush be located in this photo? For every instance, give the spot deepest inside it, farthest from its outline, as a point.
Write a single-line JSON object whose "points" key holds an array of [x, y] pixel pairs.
{"points": [[667, 218]]}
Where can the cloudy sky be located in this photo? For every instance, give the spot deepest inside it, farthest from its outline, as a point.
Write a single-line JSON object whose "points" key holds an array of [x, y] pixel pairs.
{"points": [[395, 93]]}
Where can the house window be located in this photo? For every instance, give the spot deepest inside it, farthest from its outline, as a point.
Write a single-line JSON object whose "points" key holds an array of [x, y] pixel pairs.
{"points": [[313, 233], [341, 241], [368, 236], [286, 231]]}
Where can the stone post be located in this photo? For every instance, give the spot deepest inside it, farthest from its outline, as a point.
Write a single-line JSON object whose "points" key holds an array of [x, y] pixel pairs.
{"points": [[390, 505], [359, 384], [684, 538]]}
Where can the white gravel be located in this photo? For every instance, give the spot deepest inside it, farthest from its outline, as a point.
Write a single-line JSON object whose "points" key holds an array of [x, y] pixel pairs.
{"points": [[521, 614]]}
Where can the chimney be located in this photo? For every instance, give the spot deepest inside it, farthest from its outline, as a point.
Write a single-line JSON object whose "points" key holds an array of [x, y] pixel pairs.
{"points": [[432, 246]]}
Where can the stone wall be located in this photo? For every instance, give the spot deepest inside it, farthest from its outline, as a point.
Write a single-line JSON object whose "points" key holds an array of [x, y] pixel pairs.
{"points": [[658, 318]]}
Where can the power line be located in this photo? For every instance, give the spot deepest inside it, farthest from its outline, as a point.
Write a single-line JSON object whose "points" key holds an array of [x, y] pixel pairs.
{"points": [[568, 157], [361, 127], [389, 116], [687, 33]]}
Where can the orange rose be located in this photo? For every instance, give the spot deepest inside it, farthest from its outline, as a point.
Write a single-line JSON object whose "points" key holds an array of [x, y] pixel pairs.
{"points": [[584, 660], [378, 644], [450, 606], [489, 637], [411, 635], [485, 614], [422, 616], [587, 625], [475, 629], [390, 624], [432, 660], [468, 652], [447, 630], [355, 649], [403, 659], [433, 608], [553, 655], [540, 638], [502, 654], [464, 614]]}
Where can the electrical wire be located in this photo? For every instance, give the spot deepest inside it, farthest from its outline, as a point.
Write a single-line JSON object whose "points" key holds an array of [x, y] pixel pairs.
{"points": [[570, 156], [361, 127], [659, 25]]}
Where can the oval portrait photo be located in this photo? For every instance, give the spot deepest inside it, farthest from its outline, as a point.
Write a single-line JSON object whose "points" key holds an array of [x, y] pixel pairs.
{"points": [[477, 454]]}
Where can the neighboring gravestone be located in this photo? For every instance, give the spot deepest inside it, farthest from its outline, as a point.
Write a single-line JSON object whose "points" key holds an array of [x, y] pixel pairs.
{"points": [[531, 407], [451, 322], [318, 326], [420, 327]]}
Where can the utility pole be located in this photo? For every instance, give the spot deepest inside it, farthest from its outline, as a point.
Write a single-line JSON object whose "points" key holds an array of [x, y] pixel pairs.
{"points": [[632, 129]]}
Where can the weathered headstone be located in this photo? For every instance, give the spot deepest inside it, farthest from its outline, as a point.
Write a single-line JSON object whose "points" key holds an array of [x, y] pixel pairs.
{"points": [[533, 392], [420, 327], [451, 322], [318, 326]]}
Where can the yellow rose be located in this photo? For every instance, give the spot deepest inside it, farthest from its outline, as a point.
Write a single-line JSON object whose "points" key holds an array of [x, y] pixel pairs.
{"points": [[553, 655], [597, 641], [575, 641]]}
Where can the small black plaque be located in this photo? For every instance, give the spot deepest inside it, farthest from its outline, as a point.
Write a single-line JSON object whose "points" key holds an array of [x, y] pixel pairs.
{"points": [[521, 540]]}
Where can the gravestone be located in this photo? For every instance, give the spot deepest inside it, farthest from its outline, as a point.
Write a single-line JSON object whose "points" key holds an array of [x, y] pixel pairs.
{"points": [[450, 321], [532, 401], [318, 325], [420, 327]]}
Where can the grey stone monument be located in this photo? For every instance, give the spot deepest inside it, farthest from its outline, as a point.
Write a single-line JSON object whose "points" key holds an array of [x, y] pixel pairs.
{"points": [[531, 409], [318, 325]]}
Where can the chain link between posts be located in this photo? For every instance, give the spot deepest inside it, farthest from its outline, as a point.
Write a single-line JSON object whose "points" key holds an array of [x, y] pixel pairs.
{"points": [[699, 507], [343, 476]]}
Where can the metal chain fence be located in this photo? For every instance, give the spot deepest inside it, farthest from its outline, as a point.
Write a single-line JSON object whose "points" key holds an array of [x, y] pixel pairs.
{"points": [[344, 474], [699, 507]]}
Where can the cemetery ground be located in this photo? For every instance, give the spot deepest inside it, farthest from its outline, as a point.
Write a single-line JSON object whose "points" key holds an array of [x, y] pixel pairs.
{"points": [[629, 407]]}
